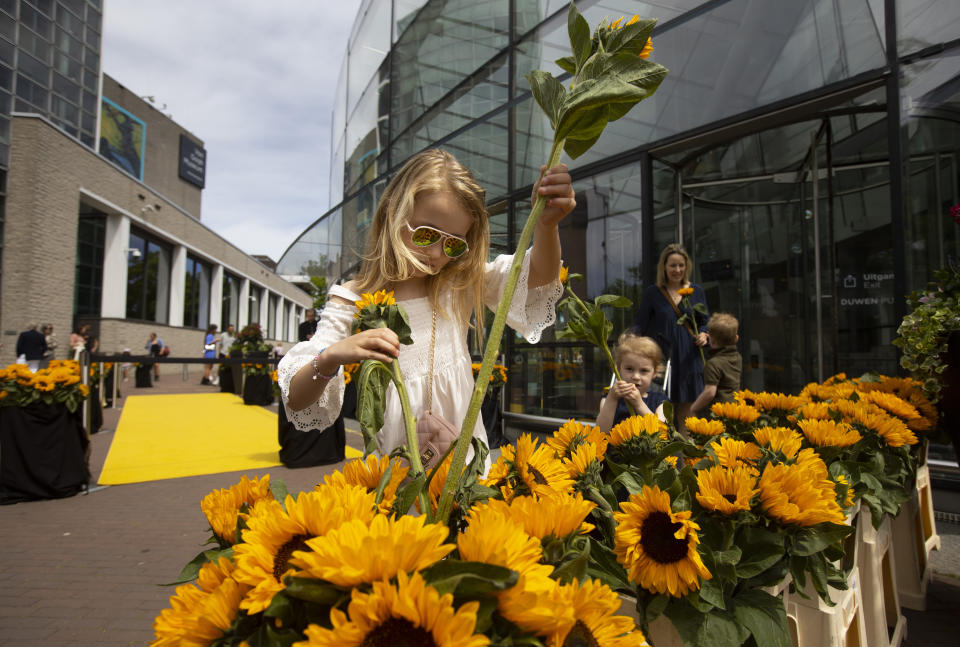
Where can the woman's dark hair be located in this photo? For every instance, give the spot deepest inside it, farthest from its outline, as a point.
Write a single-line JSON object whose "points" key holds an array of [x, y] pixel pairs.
{"points": [[212, 328]]}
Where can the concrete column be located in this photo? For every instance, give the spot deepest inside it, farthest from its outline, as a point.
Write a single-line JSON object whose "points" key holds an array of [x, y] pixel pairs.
{"points": [[216, 295], [292, 321], [116, 241], [243, 309], [178, 284], [264, 309]]}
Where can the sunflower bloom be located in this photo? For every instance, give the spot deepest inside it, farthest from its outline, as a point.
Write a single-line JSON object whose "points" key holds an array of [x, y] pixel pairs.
{"points": [[564, 273], [367, 474], [571, 435], [582, 614], [378, 298], [799, 495], [583, 458], [222, 507], [893, 431], [704, 427], [779, 439], [726, 490], [274, 534], [408, 613], [360, 553], [814, 411], [494, 538], [542, 517], [634, 426], [735, 411], [777, 402], [529, 468], [892, 405], [657, 546], [829, 433], [850, 497], [735, 453]]}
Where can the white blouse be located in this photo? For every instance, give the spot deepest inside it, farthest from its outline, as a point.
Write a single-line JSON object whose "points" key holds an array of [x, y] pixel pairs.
{"points": [[530, 313]]}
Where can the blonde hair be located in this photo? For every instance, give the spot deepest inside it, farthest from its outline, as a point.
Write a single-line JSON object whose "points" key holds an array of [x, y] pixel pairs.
{"points": [[668, 251], [388, 260], [628, 343], [723, 328]]}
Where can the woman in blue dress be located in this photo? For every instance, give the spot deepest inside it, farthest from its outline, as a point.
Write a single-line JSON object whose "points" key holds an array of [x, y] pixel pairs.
{"points": [[657, 318], [209, 352]]}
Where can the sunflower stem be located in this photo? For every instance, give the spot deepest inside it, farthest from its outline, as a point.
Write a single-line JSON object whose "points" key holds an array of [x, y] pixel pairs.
{"points": [[445, 504], [410, 426]]}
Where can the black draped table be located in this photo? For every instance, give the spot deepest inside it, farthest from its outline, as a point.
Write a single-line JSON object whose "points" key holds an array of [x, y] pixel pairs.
{"points": [[43, 453]]}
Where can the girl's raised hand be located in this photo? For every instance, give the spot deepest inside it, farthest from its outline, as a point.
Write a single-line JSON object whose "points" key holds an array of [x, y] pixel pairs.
{"points": [[379, 343], [555, 185]]}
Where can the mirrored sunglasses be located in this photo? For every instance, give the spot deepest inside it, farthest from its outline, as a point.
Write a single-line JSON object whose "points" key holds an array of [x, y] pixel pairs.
{"points": [[423, 236]]}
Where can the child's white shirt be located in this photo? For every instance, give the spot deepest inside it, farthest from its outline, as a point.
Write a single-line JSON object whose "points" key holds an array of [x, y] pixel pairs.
{"points": [[530, 313]]}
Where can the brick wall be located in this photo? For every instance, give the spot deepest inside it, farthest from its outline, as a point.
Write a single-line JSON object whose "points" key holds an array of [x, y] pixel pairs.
{"points": [[50, 174]]}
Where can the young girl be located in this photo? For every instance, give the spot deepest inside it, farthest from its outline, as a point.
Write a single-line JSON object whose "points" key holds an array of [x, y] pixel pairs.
{"points": [[428, 243], [638, 359]]}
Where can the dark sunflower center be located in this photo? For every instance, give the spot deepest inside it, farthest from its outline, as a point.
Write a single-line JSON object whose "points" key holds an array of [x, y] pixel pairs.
{"points": [[297, 542], [397, 632], [656, 537], [580, 636], [732, 498], [538, 478]]}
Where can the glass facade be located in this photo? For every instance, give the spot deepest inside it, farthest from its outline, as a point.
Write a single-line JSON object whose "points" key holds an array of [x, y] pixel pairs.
{"points": [[196, 296], [148, 277], [88, 286], [804, 151], [230, 307]]}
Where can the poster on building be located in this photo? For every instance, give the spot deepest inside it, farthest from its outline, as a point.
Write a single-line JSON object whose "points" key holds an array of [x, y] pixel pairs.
{"points": [[122, 138]]}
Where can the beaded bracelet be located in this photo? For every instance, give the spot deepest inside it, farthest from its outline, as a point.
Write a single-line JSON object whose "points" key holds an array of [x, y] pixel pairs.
{"points": [[316, 369]]}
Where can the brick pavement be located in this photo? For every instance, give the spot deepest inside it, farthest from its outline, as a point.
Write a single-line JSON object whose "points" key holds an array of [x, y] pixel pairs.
{"points": [[86, 570]]}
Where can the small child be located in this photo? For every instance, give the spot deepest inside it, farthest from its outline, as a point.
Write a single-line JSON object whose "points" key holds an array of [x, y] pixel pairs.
{"points": [[721, 375], [638, 360]]}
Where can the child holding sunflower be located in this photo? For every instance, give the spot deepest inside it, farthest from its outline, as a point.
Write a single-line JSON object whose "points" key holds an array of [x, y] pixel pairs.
{"points": [[428, 244], [638, 361]]}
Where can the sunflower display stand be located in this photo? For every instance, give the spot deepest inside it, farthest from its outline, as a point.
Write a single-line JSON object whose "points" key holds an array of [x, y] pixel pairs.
{"points": [[662, 633], [885, 625], [812, 621], [914, 536]]}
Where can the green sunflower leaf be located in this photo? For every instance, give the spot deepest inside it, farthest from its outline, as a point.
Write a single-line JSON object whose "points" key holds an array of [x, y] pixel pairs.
{"points": [[313, 590], [372, 380], [814, 539], [579, 31], [469, 579], [764, 616]]}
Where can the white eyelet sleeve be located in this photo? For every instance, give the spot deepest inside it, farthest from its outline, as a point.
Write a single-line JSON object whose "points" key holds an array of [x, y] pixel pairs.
{"points": [[531, 311], [336, 323]]}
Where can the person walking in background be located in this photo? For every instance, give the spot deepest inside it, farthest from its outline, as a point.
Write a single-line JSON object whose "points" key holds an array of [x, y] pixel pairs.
{"points": [[227, 337], [154, 346], [31, 346], [51, 338], [77, 342], [306, 328], [657, 317], [209, 352], [90, 341]]}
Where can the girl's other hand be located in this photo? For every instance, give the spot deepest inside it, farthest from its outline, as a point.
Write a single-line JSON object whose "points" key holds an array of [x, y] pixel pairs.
{"points": [[379, 343], [555, 185]]}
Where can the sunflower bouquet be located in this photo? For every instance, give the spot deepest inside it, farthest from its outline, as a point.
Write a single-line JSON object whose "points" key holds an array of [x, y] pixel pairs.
{"points": [[497, 378], [59, 383], [701, 534], [344, 565], [257, 369]]}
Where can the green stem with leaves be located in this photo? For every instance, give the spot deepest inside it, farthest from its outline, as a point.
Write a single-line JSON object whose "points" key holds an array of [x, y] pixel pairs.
{"points": [[410, 427], [696, 330], [459, 459], [603, 346]]}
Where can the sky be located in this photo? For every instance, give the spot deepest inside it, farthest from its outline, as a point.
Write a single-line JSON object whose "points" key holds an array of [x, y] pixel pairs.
{"points": [[255, 82]]}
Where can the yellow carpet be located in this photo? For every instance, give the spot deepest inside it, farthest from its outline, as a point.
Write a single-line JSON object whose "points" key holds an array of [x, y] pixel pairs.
{"points": [[171, 436]]}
